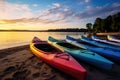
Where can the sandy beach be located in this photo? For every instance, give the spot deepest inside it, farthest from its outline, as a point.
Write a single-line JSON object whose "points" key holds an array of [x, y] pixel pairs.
{"points": [[19, 63]]}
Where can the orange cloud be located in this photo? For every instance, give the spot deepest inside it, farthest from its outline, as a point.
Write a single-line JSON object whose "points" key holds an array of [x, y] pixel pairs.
{"points": [[7, 21]]}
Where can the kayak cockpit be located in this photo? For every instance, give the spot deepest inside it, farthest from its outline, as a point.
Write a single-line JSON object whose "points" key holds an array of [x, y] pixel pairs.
{"points": [[46, 48], [68, 45]]}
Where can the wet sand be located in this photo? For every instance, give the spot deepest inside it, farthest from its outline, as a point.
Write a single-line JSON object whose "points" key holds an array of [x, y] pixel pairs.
{"points": [[19, 63]]}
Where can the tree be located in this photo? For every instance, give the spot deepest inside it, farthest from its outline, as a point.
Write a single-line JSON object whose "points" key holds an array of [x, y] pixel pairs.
{"points": [[109, 24], [98, 25], [89, 27]]}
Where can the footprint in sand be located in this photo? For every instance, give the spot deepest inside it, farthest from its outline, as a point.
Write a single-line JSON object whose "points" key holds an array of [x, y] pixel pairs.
{"points": [[36, 75], [46, 73], [38, 65], [6, 60], [21, 74], [9, 69], [9, 79]]}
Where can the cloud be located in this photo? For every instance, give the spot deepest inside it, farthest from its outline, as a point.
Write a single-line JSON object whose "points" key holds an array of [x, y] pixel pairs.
{"points": [[30, 21], [57, 13], [98, 11], [61, 13], [35, 5], [87, 1], [56, 4], [89, 7], [116, 4], [83, 2], [14, 11], [66, 14]]}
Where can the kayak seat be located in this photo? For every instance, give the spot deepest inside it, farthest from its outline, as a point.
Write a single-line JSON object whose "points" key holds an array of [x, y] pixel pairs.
{"points": [[68, 45]]}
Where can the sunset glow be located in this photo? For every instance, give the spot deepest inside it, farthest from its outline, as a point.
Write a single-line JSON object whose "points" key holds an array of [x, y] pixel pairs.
{"points": [[52, 14]]}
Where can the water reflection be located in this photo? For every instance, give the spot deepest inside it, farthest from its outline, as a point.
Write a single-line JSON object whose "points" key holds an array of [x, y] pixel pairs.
{"points": [[10, 39]]}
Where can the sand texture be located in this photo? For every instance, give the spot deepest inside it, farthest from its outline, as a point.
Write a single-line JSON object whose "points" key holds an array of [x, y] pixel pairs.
{"points": [[19, 63]]}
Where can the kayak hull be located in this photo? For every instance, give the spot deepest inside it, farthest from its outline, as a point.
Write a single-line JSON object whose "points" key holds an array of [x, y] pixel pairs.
{"points": [[85, 55], [111, 38], [105, 41], [111, 54], [59, 59], [99, 44]]}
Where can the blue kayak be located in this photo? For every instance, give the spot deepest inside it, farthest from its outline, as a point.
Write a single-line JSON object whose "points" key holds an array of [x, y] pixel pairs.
{"points": [[82, 54], [112, 38], [100, 44], [105, 41], [109, 53]]}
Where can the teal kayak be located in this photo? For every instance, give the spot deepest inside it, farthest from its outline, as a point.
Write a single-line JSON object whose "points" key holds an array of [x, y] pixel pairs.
{"points": [[109, 53], [82, 54]]}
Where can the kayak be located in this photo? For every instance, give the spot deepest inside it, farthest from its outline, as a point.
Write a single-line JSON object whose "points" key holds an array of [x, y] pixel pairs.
{"points": [[111, 38], [82, 54], [100, 44], [57, 58], [111, 54], [105, 41]]}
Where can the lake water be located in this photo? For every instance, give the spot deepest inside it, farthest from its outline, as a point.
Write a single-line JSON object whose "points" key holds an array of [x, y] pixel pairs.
{"points": [[12, 39]]}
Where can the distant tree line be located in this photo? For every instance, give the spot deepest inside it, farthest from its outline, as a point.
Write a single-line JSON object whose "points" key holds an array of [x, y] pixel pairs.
{"points": [[53, 30], [109, 24], [68, 30]]}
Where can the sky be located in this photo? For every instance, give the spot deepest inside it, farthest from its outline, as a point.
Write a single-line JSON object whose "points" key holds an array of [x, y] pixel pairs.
{"points": [[53, 14]]}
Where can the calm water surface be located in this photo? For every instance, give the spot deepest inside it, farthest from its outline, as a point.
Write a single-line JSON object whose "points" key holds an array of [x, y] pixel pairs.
{"points": [[12, 39]]}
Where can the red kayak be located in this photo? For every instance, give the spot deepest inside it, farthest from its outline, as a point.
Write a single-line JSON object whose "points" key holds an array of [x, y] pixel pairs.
{"points": [[57, 58]]}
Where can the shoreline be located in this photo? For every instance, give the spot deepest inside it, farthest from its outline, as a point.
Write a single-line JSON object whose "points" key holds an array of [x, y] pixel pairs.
{"points": [[18, 63], [109, 33], [8, 51]]}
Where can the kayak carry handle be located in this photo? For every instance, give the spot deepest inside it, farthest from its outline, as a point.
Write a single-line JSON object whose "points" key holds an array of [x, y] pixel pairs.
{"points": [[61, 54]]}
